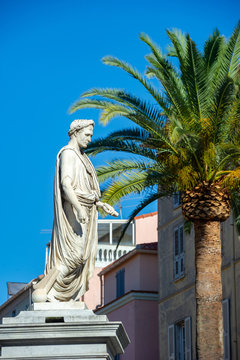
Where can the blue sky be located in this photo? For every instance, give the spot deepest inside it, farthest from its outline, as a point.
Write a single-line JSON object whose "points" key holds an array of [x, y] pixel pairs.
{"points": [[50, 53]]}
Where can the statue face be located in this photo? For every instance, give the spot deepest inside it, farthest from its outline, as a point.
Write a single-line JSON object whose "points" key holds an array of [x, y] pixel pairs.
{"points": [[84, 136]]}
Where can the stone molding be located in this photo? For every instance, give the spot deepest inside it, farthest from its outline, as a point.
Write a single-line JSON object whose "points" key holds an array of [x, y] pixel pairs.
{"points": [[61, 334], [125, 299]]}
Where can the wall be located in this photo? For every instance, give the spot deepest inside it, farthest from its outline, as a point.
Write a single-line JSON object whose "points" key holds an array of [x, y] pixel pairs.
{"points": [[132, 278], [177, 298], [167, 284], [149, 271], [140, 320], [231, 281], [140, 274], [92, 297], [173, 309], [126, 314], [18, 304], [146, 228]]}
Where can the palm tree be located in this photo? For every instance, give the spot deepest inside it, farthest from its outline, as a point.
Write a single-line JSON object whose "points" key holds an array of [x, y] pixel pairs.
{"points": [[186, 139]]}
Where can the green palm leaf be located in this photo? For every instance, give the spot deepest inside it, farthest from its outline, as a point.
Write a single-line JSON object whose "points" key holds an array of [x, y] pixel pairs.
{"points": [[188, 134], [118, 167], [109, 144], [113, 61], [125, 185]]}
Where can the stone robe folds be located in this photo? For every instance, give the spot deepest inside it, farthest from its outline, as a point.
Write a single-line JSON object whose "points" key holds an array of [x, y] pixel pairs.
{"points": [[73, 245]]}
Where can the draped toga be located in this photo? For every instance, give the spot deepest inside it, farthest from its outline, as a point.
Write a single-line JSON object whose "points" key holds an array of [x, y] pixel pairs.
{"points": [[73, 245]]}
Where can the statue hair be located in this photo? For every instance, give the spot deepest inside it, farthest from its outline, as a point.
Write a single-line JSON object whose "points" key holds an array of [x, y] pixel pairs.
{"points": [[79, 124]]}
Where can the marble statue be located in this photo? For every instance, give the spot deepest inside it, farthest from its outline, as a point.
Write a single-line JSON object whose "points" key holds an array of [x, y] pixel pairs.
{"points": [[73, 245]]}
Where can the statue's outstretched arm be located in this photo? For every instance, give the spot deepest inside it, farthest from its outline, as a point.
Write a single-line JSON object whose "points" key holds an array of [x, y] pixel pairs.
{"points": [[107, 208]]}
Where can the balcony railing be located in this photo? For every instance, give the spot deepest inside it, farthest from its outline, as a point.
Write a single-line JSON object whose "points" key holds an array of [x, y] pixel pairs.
{"points": [[106, 254]]}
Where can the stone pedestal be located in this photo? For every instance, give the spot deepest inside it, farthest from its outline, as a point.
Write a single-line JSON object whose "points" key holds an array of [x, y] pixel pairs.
{"points": [[61, 331]]}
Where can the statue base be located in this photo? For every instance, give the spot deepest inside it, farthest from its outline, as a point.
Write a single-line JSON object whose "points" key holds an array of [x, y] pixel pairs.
{"points": [[59, 331]]}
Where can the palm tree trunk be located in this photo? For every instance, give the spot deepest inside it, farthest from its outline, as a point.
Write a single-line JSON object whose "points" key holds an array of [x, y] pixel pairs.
{"points": [[209, 323]]}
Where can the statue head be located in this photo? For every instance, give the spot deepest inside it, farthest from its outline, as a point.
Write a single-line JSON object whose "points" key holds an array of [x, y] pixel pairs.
{"points": [[82, 131], [79, 124]]}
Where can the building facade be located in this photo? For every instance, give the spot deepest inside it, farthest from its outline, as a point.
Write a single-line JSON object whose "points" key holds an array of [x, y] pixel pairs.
{"points": [[142, 230], [176, 304], [131, 295]]}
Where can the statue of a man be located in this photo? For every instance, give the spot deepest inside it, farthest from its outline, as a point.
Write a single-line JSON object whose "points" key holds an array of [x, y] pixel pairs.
{"points": [[74, 237]]}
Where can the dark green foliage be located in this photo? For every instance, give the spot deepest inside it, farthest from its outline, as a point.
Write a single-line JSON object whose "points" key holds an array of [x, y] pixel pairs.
{"points": [[188, 134]]}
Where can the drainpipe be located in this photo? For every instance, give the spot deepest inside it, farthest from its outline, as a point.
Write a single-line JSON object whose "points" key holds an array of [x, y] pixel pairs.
{"points": [[101, 292]]}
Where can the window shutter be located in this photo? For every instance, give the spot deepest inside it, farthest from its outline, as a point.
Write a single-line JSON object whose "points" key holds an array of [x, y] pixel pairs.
{"points": [[181, 246], [117, 284], [178, 252], [188, 338], [226, 329], [171, 342], [176, 242], [120, 283]]}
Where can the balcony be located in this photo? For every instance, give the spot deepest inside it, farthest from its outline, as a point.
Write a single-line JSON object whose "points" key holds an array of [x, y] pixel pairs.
{"points": [[108, 234]]}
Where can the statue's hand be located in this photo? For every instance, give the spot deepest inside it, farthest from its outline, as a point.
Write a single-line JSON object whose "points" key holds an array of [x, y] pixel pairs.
{"points": [[82, 218], [107, 208]]}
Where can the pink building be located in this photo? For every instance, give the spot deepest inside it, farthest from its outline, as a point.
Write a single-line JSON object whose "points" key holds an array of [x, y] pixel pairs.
{"points": [[131, 296], [127, 288], [142, 230]]}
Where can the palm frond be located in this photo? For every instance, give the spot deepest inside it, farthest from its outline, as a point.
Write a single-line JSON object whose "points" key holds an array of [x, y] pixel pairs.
{"points": [[125, 185], [228, 59], [137, 134], [195, 80], [178, 47], [220, 124], [234, 121], [108, 144], [152, 112], [112, 111], [118, 167], [88, 104], [212, 47], [164, 71], [113, 61], [233, 49]]}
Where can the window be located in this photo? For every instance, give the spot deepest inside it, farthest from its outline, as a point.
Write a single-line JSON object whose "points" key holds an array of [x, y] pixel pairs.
{"points": [[176, 199], [178, 252], [117, 230], [226, 329], [179, 340], [120, 283], [103, 233]]}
